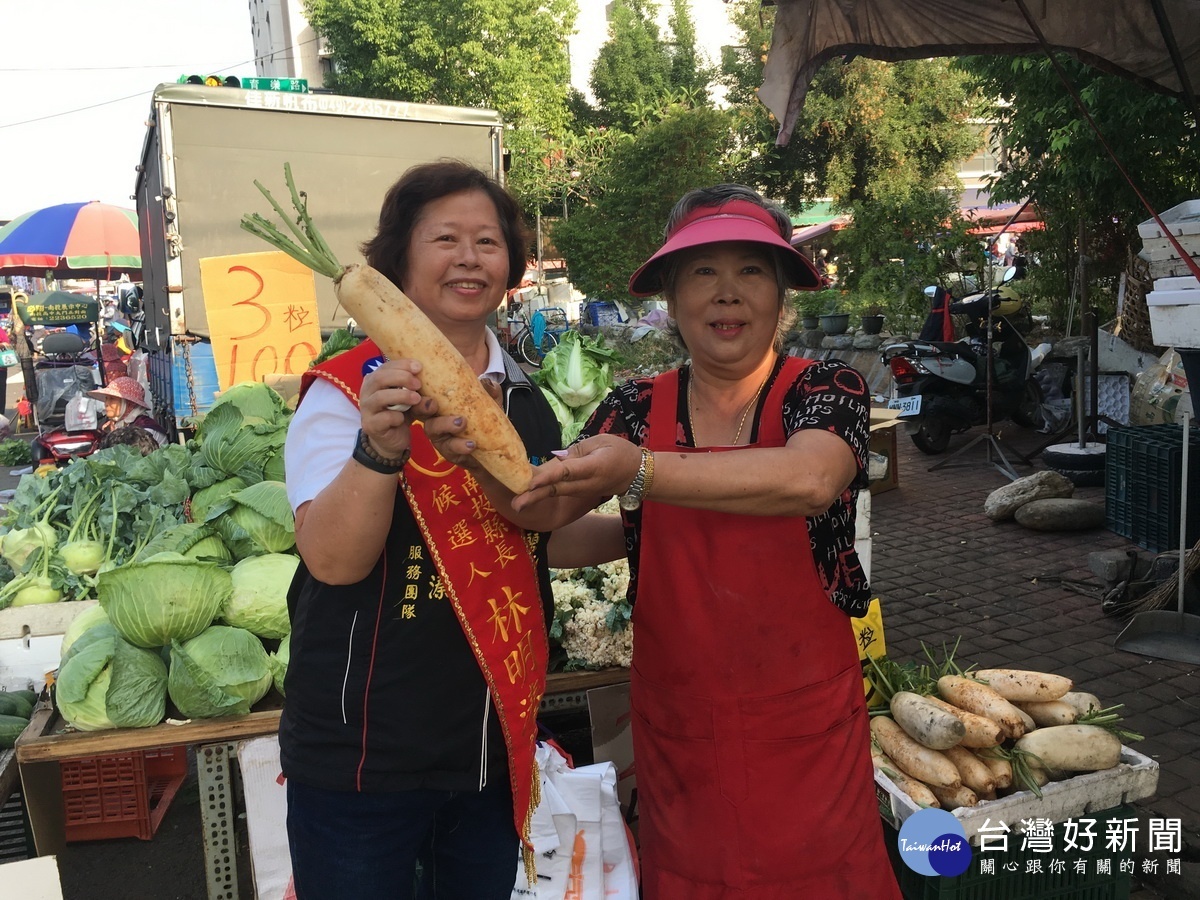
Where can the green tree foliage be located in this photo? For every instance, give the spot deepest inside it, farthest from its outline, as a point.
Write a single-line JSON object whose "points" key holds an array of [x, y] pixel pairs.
{"points": [[632, 73], [691, 74], [507, 55], [638, 183], [1054, 158], [880, 139]]}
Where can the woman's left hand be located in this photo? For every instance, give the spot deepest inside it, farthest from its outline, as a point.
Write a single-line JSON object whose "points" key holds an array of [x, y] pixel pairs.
{"points": [[593, 469]]}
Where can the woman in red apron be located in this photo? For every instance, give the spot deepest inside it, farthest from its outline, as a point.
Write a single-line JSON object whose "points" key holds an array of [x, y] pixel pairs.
{"points": [[749, 723]]}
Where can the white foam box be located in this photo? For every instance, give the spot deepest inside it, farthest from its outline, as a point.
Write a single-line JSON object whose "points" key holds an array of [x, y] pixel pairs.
{"points": [[266, 816], [1168, 268], [1174, 317], [1181, 219], [1162, 248], [1181, 283], [30, 641], [1134, 778]]}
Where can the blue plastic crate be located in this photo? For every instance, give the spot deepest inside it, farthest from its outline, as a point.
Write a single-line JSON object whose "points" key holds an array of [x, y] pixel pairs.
{"points": [[602, 312]]}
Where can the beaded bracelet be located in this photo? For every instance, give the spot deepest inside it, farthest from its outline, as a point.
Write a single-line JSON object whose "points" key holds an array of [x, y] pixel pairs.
{"points": [[366, 456]]}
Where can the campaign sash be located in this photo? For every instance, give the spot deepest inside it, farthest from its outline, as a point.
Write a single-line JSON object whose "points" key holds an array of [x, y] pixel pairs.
{"points": [[486, 568]]}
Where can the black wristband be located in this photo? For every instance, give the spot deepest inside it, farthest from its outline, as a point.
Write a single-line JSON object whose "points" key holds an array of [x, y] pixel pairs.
{"points": [[367, 457]]}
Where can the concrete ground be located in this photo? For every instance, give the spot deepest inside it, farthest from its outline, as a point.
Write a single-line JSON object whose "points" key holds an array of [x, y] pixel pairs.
{"points": [[1018, 598]]}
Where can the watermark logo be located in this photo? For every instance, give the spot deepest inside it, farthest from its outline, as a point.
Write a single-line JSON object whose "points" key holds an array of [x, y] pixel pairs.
{"points": [[933, 842]]}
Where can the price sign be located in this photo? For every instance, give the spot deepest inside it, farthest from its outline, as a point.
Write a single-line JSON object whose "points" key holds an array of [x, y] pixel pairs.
{"points": [[262, 313]]}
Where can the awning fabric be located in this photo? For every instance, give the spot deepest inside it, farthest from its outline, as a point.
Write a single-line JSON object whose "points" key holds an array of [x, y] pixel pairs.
{"points": [[1123, 38]]}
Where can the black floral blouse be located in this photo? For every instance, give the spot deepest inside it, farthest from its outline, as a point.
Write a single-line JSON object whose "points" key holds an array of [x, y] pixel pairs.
{"points": [[829, 395]]}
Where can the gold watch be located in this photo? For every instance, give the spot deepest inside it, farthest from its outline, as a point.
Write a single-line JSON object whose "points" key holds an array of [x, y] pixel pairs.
{"points": [[640, 486]]}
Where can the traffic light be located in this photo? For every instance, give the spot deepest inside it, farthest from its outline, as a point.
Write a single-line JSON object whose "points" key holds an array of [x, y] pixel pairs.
{"points": [[211, 80], [289, 85]]}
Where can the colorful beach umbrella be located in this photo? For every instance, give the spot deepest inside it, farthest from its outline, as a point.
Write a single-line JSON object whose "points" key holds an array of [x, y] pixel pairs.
{"points": [[83, 240]]}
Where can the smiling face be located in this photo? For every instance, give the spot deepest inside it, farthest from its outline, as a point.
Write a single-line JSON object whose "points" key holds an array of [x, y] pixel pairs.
{"points": [[457, 260], [725, 299]]}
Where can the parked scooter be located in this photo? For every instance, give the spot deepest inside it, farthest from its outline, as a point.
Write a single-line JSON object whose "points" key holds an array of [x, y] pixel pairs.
{"points": [[64, 373], [940, 385]]}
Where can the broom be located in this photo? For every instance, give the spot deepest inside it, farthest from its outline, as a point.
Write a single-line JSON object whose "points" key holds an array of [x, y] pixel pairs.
{"points": [[1166, 593]]}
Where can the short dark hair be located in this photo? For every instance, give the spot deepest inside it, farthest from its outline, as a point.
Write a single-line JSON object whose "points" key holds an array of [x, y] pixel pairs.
{"points": [[387, 252]]}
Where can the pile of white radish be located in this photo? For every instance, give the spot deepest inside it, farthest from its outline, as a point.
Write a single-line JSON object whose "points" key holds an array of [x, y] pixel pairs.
{"points": [[989, 733]]}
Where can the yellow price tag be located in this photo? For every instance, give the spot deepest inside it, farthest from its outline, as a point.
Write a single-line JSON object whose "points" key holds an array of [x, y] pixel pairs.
{"points": [[262, 315]]}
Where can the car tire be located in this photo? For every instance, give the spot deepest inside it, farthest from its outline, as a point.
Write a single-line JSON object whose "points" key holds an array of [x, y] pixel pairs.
{"points": [[1084, 466]]}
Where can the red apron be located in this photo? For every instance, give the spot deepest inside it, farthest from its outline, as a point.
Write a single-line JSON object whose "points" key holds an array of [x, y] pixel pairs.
{"points": [[750, 729]]}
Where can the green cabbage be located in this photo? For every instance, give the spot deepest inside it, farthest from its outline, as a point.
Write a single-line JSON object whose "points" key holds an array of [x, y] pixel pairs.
{"points": [[204, 499], [163, 598], [223, 671], [256, 401], [259, 599], [279, 662], [256, 520], [191, 539], [93, 615], [105, 682]]}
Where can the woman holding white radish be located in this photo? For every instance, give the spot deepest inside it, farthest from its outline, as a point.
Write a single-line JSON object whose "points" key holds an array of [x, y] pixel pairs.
{"points": [[418, 646], [737, 475]]}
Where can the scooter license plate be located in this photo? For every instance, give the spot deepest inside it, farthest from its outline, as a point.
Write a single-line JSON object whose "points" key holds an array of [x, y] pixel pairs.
{"points": [[908, 406]]}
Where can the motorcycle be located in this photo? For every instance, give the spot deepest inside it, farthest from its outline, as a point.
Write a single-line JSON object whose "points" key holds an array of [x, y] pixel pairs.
{"points": [[64, 376], [941, 385]]}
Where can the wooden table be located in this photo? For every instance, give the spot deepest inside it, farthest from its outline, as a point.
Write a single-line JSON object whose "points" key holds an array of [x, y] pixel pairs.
{"points": [[44, 744]]}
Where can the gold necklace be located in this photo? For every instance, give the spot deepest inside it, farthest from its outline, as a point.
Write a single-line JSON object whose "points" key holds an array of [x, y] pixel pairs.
{"points": [[745, 411]]}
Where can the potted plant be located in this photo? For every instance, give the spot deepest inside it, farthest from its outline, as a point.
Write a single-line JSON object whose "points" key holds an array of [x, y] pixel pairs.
{"points": [[832, 319], [810, 304], [872, 319]]}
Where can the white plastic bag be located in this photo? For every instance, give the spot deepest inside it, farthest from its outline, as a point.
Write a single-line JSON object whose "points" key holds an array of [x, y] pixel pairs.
{"points": [[82, 413], [579, 837]]}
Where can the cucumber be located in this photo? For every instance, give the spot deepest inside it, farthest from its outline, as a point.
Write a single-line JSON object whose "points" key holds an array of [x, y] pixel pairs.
{"points": [[13, 704], [10, 729]]}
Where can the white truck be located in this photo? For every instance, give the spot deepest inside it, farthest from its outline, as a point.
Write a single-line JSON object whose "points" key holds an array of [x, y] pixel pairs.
{"points": [[205, 147]]}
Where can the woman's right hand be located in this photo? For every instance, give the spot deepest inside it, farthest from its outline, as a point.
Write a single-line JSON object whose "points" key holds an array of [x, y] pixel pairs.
{"points": [[388, 395]]}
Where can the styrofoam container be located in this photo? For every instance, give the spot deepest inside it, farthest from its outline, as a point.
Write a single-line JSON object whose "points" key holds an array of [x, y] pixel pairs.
{"points": [[31, 641], [1176, 325], [1181, 283], [1134, 778], [1181, 219], [1161, 248], [1168, 268], [1171, 298]]}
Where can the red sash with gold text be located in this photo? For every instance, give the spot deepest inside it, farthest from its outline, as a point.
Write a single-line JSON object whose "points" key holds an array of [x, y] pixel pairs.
{"points": [[487, 570]]}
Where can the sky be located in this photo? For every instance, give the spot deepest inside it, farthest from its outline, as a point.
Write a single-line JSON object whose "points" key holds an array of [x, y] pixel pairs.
{"points": [[76, 78]]}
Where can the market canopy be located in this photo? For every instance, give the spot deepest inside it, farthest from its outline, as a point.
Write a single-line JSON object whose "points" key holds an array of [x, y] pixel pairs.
{"points": [[1126, 38], [81, 240]]}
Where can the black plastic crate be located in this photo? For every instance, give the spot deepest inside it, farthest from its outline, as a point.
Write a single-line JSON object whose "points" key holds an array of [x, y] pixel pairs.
{"points": [[1144, 484], [15, 837]]}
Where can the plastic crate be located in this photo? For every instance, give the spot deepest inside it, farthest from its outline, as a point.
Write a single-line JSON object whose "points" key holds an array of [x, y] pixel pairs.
{"points": [[1143, 485], [602, 312], [15, 840], [1019, 884], [120, 795]]}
